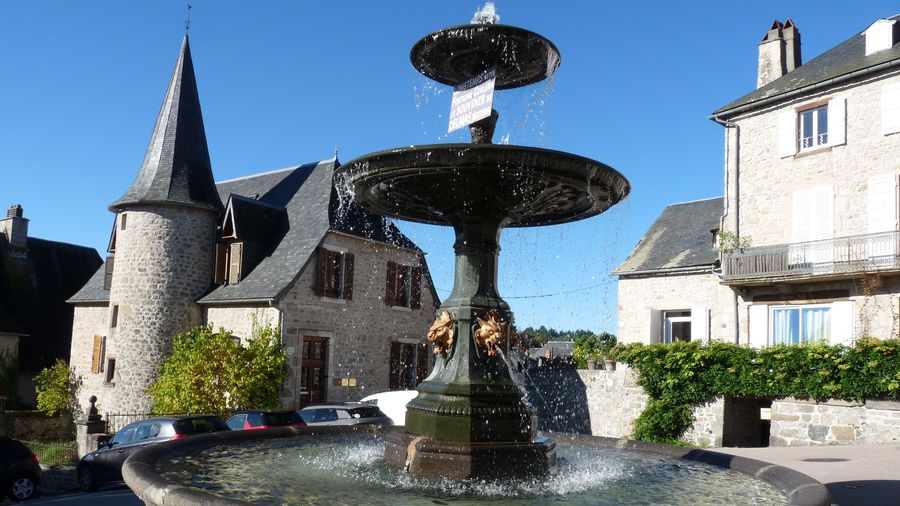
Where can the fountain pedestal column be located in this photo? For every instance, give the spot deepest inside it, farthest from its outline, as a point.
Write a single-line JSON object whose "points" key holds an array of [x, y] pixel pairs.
{"points": [[469, 419]]}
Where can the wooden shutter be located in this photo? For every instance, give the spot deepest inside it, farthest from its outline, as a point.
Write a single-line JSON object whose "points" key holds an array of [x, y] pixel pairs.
{"points": [[822, 213], [700, 324], [108, 273], [787, 133], [759, 326], [234, 262], [415, 298], [800, 217], [390, 294], [347, 292], [842, 322], [97, 357], [221, 263], [395, 367], [890, 108], [421, 363], [837, 121], [882, 203], [321, 269]]}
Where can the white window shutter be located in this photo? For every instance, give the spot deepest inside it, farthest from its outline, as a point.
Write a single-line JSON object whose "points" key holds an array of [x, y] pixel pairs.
{"points": [[759, 326], [842, 322], [800, 217], [655, 326], [787, 134], [837, 121], [890, 108], [822, 213], [882, 203], [700, 324]]}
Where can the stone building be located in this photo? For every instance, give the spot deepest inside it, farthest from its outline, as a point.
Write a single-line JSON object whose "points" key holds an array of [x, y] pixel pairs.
{"points": [[668, 286], [36, 278], [812, 160], [351, 294]]}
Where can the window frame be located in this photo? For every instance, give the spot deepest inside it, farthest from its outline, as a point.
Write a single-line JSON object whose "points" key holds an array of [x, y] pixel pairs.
{"points": [[800, 329], [683, 318], [817, 127], [334, 279]]}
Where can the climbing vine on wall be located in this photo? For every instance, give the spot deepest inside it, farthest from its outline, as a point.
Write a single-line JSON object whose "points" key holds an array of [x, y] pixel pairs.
{"points": [[679, 376]]}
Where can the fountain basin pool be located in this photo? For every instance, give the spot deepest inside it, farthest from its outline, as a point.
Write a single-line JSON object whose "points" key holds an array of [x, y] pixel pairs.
{"points": [[344, 465]]}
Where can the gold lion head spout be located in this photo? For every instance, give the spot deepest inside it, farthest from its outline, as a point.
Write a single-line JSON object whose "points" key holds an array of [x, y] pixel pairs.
{"points": [[490, 332], [441, 333]]}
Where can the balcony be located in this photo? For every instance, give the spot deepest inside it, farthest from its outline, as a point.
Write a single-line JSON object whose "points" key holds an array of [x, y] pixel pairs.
{"points": [[814, 260]]}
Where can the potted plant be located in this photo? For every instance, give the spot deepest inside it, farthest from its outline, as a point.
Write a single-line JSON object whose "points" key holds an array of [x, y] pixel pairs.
{"points": [[605, 344]]}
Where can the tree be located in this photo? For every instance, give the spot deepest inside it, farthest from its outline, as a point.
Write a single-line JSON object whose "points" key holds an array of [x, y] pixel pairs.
{"points": [[211, 372], [55, 388]]}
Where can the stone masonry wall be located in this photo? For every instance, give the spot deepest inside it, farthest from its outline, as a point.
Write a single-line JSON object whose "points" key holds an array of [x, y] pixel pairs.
{"points": [[637, 296], [239, 320], [808, 423], [359, 331], [89, 320], [164, 261]]}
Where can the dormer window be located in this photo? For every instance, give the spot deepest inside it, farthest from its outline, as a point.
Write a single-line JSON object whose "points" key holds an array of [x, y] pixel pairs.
{"points": [[814, 128], [334, 278]]}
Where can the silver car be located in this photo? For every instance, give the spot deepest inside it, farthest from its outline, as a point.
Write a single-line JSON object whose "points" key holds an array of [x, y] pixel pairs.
{"points": [[351, 413]]}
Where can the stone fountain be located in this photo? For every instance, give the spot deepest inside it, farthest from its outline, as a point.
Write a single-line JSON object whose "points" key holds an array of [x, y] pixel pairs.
{"points": [[469, 418]]}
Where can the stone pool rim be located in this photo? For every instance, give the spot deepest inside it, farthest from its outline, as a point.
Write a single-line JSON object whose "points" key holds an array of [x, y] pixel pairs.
{"points": [[142, 477]]}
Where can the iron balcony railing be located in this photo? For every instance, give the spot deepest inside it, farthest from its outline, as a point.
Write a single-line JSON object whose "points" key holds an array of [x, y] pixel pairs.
{"points": [[856, 254]]}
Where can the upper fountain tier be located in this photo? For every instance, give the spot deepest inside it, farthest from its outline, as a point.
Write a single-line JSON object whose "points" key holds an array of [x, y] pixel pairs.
{"points": [[454, 55]]}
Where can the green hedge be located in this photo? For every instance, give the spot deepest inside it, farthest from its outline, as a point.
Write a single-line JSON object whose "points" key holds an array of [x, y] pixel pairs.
{"points": [[679, 376]]}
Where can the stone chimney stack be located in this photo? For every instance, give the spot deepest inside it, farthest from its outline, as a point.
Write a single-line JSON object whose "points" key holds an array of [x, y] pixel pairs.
{"points": [[779, 52], [15, 227]]}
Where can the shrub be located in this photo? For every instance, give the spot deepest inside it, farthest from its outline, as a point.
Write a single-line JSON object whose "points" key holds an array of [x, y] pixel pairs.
{"points": [[592, 347], [55, 388], [210, 372], [679, 376]]}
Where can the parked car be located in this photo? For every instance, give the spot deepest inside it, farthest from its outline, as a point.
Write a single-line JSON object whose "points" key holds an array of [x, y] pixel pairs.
{"points": [[392, 404], [254, 419], [105, 464], [20, 471], [351, 413]]}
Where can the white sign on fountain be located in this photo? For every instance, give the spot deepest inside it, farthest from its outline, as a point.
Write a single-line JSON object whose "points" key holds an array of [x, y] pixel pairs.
{"points": [[472, 100]]}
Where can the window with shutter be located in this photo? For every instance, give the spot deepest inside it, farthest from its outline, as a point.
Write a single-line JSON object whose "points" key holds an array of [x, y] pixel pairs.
{"points": [[890, 108], [403, 286], [390, 294], [98, 352], [235, 261], [334, 277], [108, 272], [110, 370], [812, 220], [882, 211], [416, 293], [220, 274]]}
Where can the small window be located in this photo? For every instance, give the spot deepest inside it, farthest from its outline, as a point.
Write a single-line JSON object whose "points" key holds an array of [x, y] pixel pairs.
{"points": [[108, 272], [114, 319], [110, 370], [813, 128], [801, 324], [403, 286], [335, 274], [123, 221], [676, 326]]}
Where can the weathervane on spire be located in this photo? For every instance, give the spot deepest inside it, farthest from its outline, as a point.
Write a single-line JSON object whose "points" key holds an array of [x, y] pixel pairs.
{"points": [[187, 20]]}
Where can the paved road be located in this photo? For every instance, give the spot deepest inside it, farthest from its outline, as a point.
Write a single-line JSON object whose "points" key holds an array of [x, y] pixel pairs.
{"points": [[114, 497], [864, 475]]}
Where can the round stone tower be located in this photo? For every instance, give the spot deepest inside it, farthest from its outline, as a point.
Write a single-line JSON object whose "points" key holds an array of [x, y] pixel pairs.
{"points": [[164, 245]]}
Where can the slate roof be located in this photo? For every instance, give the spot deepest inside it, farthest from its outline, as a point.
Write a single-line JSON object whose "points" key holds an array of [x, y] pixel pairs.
{"points": [[312, 207], [679, 238], [33, 292], [92, 291], [176, 168], [557, 348], [845, 61]]}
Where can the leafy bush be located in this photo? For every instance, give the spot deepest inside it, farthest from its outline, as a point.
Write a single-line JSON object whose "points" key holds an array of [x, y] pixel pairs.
{"points": [[210, 372], [681, 375], [592, 347], [55, 388]]}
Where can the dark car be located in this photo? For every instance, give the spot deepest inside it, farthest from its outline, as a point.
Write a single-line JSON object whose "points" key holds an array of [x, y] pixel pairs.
{"points": [[254, 419], [20, 472], [105, 464], [351, 413]]}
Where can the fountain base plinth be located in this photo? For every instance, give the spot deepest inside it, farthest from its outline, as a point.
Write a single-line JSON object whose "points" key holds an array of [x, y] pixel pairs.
{"points": [[425, 457]]}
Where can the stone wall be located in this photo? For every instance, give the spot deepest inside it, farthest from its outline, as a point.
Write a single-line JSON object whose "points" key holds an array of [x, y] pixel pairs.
{"points": [[808, 423], [34, 425], [359, 331], [164, 261], [239, 320], [89, 320], [709, 422], [614, 400], [638, 296]]}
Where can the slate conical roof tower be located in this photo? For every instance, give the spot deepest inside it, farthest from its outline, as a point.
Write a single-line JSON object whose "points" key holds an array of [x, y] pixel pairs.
{"points": [[164, 245]]}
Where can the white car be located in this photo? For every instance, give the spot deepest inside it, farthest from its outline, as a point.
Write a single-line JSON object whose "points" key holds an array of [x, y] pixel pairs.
{"points": [[392, 403]]}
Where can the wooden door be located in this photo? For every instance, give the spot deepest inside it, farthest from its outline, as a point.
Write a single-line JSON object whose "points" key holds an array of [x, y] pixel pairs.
{"points": [[313, 370]]}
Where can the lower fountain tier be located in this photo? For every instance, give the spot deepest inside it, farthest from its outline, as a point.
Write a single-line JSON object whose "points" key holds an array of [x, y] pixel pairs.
{"points": [[426, 457], [449, 184]]}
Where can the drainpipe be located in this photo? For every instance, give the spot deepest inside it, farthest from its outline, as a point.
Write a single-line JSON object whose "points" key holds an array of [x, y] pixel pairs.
{"points": [[737, 203]]}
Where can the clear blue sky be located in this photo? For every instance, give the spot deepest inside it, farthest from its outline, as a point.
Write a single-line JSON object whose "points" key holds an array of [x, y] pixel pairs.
{"points": [[283, 83]]}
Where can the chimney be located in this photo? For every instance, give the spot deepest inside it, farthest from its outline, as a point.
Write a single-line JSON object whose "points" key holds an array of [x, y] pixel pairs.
{"points": [[792, 59], [881, 35], [15, 227]]}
